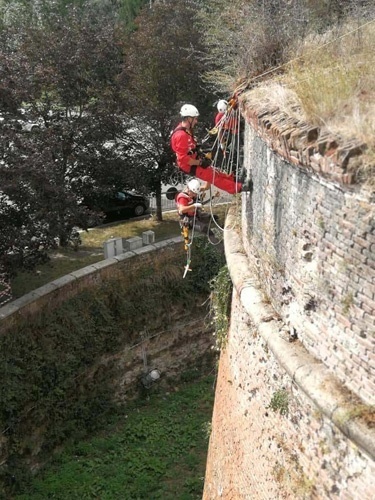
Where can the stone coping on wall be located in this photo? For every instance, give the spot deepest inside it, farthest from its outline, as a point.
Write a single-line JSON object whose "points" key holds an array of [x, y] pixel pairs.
{"points": [[307, 146], [17, 305], [314, 379]]}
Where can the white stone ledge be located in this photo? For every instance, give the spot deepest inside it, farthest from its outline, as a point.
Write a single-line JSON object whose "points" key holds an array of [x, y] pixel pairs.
{"points": [[143, 250], [311, 375], [85, 271], [102, 264], [45, 289], [61, 282], [122, 256]]}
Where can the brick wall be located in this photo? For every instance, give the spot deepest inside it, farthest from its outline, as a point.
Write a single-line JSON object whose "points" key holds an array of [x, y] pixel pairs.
{"points": [[315, 240], [268, 440], [307, 254]]}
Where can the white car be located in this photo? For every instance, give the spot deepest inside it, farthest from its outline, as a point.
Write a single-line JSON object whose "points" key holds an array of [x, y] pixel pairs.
{"points": [[29, 126]]}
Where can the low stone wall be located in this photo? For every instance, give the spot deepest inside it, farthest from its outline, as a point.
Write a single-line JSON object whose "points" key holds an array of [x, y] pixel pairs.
{"points": [[171, 350], [54, 293]]}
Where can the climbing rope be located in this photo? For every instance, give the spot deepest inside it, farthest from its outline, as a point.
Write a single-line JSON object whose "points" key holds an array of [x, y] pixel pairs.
{"points": [[225, 156], [188, 227], [226, 149]]}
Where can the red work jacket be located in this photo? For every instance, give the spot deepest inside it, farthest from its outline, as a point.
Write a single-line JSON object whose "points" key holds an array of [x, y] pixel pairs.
{"points": [[184, 200], [184, 145]]}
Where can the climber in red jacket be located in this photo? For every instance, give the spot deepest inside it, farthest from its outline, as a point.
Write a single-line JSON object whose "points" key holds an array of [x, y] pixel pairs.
{"points": [[189, 206], [191, 162]]}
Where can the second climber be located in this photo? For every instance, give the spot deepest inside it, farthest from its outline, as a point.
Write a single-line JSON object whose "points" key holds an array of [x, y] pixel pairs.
{"points": [[189, 207]]}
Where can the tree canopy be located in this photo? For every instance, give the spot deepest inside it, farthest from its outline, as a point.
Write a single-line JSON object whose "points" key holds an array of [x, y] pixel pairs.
{"points": [[101, 99], [102, 81], [158, 78], [61, 79]]}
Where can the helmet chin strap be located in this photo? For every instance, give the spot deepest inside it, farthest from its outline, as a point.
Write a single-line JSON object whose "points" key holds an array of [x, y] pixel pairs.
{"points": [[191, 119]]}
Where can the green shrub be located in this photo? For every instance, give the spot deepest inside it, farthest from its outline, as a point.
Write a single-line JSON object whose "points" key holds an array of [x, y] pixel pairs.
{"points": [[221, 286]]}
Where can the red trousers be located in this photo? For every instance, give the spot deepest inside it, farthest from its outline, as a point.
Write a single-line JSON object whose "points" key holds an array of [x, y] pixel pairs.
{"points": [[223, 181]]}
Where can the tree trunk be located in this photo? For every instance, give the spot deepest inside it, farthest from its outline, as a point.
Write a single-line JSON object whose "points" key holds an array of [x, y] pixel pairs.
{"points": [[159, 213], [63, 240]]}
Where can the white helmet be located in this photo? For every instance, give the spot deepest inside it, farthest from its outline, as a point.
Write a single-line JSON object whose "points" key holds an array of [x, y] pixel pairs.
{"points": [[194, 186], [189, 110], [222, 106]]}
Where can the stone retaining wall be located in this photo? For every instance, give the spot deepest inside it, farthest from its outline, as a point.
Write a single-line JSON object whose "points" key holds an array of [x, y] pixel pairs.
{"points": [[294, 415], [174, 340], [54, 293]]}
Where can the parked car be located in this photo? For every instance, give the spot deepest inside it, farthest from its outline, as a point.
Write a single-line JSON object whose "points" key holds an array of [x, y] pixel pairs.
{"points": [[20, 124], [120, 205], [30, 126]]}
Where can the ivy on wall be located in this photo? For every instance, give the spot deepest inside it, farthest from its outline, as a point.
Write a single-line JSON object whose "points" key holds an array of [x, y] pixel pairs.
{"points": [[49, 394], [221, 286]]}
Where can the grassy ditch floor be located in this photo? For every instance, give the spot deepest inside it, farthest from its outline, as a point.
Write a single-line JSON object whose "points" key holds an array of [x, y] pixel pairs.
{"points": [[154, 449]]}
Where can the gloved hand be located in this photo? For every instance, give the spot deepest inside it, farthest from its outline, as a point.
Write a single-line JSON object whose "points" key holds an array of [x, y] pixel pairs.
{"points": [[197, 205], [205, 162]]}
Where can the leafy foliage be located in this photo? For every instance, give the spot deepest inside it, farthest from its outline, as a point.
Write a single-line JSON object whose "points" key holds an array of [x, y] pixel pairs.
{"points": [[247, 38], [280, 402], [161, 72], [59, 78], [221, 286], [102, 103]]}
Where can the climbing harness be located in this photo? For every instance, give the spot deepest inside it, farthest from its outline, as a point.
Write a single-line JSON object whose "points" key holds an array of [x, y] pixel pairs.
{"points": [[188, 226]]}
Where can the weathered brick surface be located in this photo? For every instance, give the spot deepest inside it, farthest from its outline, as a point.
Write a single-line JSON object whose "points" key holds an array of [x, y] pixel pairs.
{"points": [[312, 231], [256, 452], [315, 242], [306, 146]]}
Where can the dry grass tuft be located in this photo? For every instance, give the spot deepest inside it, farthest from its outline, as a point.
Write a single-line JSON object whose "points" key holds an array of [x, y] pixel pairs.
{"points": [[333, 77], [275, 95], [330, 82]]}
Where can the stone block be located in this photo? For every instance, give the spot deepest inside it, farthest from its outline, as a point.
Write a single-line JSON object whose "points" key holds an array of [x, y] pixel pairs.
{"points": [[132, 243], [148, 237], [119, 246], [113, 247]]}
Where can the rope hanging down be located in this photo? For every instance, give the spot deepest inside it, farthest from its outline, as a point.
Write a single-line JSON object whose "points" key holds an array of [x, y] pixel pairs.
{"points": [[226, 152], [188, 235], [190, 224]]}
